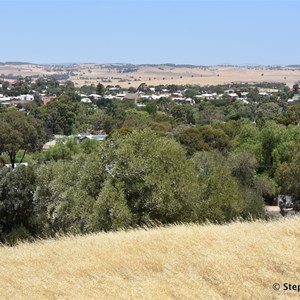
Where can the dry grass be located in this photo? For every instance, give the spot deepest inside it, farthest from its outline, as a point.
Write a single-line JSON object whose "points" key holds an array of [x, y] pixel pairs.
{"points": [[162, 75], [236, 261]]}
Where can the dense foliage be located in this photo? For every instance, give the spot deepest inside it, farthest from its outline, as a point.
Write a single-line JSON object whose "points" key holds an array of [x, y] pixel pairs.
{"points": [[164, 163]]}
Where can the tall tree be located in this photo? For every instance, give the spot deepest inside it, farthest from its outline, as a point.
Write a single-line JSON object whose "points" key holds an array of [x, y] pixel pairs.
{"points": [[16, 203], [159, 184], [100, 90], [19, 132]]}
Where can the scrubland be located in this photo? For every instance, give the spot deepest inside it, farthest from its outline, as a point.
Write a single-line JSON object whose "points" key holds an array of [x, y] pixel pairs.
{"points": [[234, 261]]}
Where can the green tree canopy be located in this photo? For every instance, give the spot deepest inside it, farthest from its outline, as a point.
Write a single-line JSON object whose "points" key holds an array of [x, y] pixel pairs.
{"points": [[16, 203], [158, 182], [19, 132]]}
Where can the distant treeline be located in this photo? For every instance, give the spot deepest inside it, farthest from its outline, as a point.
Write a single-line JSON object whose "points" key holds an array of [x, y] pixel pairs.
{"points": [[15, 63]]}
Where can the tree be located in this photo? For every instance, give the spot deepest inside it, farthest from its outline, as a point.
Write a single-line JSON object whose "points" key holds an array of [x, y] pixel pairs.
{"points": [[151, 107], [135, 118], [204, 138], [247, 139], [88, 89], [164, 104], [255, 188], [183, 114], [268, 110], [222, 200], [209, 113], [60, 115], [296, 88], [158, 182], [16, 203], [66, 193], [288, 177], [294, 113], [142, 87], [111, 211], [19, 132], [243, 165], [271, 136], [227, 192], [100, 89], [38, 99]]}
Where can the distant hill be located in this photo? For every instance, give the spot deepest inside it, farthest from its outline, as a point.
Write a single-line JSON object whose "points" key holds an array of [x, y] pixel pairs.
{"points": [[235, 261], [293, 66], [16, 63]]}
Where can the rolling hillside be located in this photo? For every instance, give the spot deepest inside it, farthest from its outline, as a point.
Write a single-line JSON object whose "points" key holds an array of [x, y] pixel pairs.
{"points": [[236, 261], [133, 75]]}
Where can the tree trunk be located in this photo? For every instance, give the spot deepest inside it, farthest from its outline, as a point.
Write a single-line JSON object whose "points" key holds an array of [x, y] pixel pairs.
{"points": [[12, 157], [23, 156]]}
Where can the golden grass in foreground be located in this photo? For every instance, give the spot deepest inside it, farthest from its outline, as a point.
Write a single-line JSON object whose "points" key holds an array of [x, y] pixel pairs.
{"points": [[236, 261]]}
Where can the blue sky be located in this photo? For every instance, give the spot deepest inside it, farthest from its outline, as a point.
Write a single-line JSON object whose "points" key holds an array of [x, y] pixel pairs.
{"points": [[172, 31]]}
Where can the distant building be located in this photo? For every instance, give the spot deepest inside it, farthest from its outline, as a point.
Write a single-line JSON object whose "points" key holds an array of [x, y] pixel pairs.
{"points": [[132, 96], [206, 96], [86, 100], [96, 96], [47, 99], [119, 96], [26, 97], [98, 137], [296, 97], [16, 165]]}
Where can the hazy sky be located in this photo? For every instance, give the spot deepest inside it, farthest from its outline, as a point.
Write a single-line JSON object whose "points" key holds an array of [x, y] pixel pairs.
{"points": [[171, 31]]}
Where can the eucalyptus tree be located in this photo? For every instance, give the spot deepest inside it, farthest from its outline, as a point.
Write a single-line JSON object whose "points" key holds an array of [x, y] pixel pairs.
{"points": [[19, 133]]}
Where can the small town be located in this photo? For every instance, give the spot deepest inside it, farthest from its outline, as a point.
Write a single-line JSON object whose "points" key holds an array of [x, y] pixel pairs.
{"points": [[149, 150]]}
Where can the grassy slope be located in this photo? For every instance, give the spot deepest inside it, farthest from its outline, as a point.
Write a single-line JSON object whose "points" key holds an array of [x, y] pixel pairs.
{"points": [[236, 261]]}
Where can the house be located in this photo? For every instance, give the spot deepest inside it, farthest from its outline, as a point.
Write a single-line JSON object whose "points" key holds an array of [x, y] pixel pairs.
{"points": [[233, 95], [285, 200], [132, 96], [86, 100], [114, 89], [296, 97], [206, 96], [109, 97], [26, 97], [140, 105], [16, 165], [177, 95], [59, 136], [165, 95], [96, 96], [119, 96], [184, 101], [263, 94], [98, 137], [190, 101], [5, 100], [56, 139], [47, 99], [49, 144]]}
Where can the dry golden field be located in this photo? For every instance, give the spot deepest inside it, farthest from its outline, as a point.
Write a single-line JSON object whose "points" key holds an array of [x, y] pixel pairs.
{"points": [[155, 75], [235, 261]]}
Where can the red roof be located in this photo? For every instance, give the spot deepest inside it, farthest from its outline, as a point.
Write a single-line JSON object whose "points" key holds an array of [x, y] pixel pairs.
{"points": [[47, 99]]}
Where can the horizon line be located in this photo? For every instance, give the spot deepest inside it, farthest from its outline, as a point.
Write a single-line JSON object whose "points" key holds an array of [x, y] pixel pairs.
{"points": [[147, 64]]}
